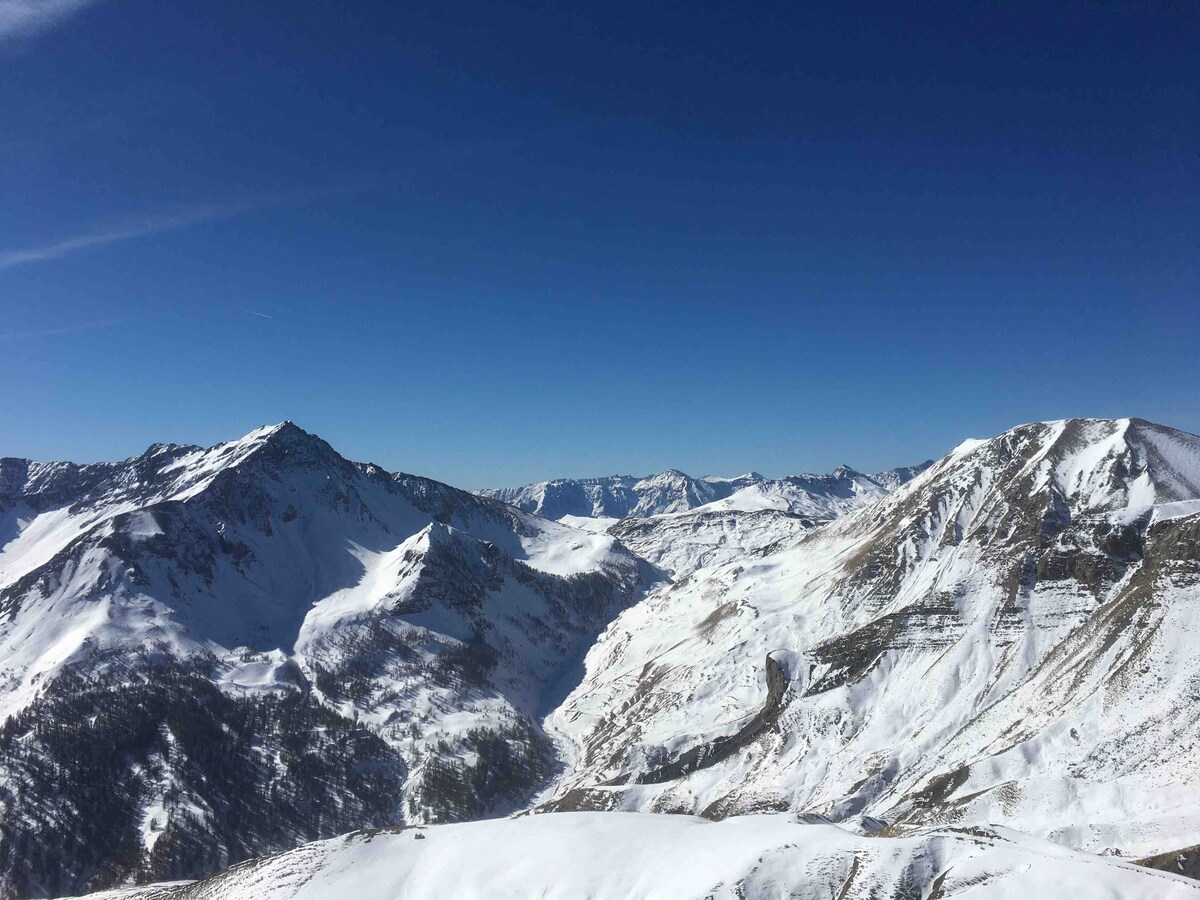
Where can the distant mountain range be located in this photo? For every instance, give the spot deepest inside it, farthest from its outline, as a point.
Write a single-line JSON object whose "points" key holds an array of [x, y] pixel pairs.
{"points": [[672, 491], [974, 677]]}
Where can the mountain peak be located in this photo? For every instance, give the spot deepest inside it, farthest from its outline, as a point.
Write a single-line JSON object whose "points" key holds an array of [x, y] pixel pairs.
{"points": [[285, 430], [1085, 465], [672, 477], [288, 437]]}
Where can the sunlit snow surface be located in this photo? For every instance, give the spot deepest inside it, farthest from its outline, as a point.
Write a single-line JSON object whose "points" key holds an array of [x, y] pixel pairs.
{"points": [[1009, 638], [632, 856], [674, 492], [271, 554]]}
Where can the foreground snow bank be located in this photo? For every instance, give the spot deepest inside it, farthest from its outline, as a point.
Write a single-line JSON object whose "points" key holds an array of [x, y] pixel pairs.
{"points": [[569, 856]]}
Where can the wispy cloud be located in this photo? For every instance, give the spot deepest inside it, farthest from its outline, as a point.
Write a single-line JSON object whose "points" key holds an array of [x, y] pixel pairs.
{"points": [[53, 332], [153, 224], [255, 312], [20, 18], [121, 231]]}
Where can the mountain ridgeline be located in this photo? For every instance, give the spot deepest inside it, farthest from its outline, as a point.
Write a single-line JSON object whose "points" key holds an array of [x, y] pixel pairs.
{"points": [[865, 683], [1003, 640], [211, 654], [672, 491]]}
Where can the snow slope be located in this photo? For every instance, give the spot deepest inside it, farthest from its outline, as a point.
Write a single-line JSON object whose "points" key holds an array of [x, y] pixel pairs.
{"points": [[254, 543], [426, 618], [1005, 639], [1002, 640], [680, 523], [679, 544], [627, 856]]}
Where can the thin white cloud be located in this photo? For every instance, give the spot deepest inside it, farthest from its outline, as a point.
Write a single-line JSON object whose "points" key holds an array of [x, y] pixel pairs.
{"points": [[20, 18], [123, 231], [51, 332], [257, 313], [156, 224]]}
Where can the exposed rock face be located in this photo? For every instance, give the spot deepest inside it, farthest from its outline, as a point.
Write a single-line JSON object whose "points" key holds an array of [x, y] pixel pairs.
{"points": [[211, 654], [722, 748], [1004, 639]]}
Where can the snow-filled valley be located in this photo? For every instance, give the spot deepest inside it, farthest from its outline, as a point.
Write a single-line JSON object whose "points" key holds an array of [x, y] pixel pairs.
{"points": [[974, 677]]}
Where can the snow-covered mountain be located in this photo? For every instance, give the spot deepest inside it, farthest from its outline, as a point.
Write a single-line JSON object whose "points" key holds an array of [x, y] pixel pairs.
{"points": [[977, 677], [1008, 638], [637, 856], [681, 543], [672, 491], [207, 654]]}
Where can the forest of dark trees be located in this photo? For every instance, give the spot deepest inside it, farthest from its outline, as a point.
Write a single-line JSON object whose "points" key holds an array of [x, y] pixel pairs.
{"points": [[242, 776]]}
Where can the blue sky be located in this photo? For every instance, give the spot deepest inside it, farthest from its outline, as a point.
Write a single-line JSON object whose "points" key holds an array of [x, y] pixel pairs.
{"points": [[495, 242]]}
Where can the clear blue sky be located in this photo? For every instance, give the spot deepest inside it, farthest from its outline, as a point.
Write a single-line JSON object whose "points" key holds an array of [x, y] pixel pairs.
{"points": [[504, 241]]}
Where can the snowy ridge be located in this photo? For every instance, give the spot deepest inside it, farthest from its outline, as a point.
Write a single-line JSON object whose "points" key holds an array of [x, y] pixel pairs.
{"points": [[629, 856], [1002, 640], [672, 491], [74, 532], [433, 624], [976, 677], [679, 544]]}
